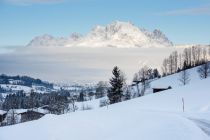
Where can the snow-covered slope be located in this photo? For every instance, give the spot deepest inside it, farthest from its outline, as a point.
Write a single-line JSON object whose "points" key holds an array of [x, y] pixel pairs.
{"points": [[117, 34], [153, 117], [174, 79]]}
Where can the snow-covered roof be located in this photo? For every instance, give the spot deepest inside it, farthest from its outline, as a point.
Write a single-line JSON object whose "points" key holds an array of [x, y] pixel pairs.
{"points": [[40, 110], [160, 87], [17, 111], [2, 112], [20, 111]]}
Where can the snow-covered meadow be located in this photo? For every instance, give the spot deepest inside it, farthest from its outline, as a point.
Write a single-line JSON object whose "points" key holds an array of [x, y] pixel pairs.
{"points": [[156, 116]]}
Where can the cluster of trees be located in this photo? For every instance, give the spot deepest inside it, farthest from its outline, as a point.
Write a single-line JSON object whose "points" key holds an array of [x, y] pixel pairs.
{"points": [[24, 80], [2, 90], [56, 102], [193, 57], [101, 89], [204, 70], [176, 62], [190, 57], [144, 76], [118, 90]]}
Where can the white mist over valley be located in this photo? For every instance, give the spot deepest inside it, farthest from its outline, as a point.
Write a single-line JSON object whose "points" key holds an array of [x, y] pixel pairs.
{"points": [[88, 58]]}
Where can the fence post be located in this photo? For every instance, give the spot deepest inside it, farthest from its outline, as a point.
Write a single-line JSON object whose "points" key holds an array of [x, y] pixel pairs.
{"points": [[183, 104]]}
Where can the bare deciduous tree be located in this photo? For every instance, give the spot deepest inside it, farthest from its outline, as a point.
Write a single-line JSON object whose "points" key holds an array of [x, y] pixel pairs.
{"points": [[143, 78], [170, 64], [175, 61], [165, 67], [180, 60], [209, 51], [101, 89], [72, 103], [184, 77], [204, 70], [12, 117], [204, 52]]}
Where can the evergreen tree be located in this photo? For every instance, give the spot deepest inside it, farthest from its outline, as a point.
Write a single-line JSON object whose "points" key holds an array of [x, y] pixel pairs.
{"points": [[81, 97], [115, 92]]}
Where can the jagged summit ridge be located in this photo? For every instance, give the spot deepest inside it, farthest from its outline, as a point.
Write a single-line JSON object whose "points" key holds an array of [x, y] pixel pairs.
{"points": [[116, 34]]}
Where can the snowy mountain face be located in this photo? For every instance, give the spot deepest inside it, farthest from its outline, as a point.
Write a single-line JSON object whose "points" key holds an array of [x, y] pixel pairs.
{"points": [[47, 40], [117, 34]]}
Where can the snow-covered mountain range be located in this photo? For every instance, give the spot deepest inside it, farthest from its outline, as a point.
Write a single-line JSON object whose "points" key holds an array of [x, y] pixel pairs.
{"points": [[117, 34]]}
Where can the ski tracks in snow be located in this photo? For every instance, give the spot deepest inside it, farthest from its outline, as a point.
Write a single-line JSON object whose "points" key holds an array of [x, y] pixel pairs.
{"points": [[204, 125]]}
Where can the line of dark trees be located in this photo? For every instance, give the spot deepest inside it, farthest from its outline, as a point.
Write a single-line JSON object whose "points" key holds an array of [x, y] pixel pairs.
{"points": [[56, 102]]}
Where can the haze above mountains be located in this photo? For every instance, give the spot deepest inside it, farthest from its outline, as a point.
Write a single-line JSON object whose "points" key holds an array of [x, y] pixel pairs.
{"points": [[116, 34]]}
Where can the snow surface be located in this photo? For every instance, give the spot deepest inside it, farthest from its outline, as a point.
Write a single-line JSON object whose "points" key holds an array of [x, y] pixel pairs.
{"points": [[152, 117], [91, 104], [174, 79]]}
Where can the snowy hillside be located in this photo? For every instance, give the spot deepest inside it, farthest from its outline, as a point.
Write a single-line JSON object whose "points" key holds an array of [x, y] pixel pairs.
{"points": [[164, 82], [117, 34], [174, 79], [153, 117]]}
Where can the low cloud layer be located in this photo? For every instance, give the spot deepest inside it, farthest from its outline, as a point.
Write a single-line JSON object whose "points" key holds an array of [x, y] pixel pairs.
{"points": [[61, 64]]}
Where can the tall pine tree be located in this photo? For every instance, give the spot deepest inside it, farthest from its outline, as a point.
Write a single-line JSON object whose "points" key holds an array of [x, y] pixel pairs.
{"points": [[115, 92]]}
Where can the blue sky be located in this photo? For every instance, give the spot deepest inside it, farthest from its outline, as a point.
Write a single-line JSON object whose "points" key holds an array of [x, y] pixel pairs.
{"points": [[183, 21]]}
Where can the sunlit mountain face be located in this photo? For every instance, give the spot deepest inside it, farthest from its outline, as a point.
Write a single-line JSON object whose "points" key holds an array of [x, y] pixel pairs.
{"points": [[116, 34]]}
